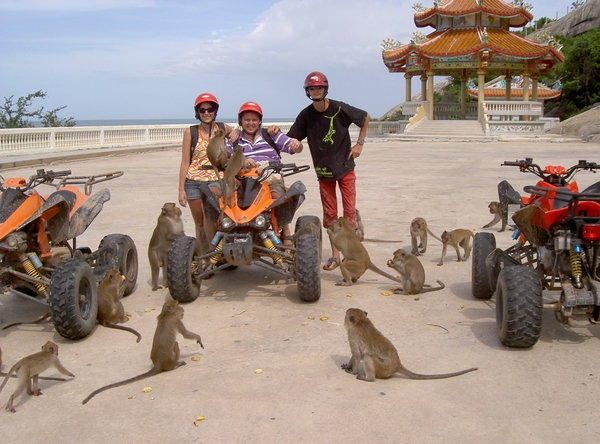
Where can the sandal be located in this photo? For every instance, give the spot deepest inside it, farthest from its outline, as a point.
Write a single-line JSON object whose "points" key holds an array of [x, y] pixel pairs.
{"points": [[331, 264]]}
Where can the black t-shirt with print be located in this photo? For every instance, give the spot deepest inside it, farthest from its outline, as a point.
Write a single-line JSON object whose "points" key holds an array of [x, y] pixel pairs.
{"points": [[328, 137]]}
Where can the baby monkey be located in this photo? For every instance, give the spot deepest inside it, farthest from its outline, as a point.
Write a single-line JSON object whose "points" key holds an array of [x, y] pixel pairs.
{"points": [[29, 368], [457, 238], [110, 308], [373, 355], [412, 273], [419, 231]]}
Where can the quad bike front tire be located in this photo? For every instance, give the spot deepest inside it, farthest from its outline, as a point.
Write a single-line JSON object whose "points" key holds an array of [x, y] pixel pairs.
{"points": [[183, 268], [302, 221], [118, 251], [481, 283], [519, 306], [308, 272], [73, 298]]}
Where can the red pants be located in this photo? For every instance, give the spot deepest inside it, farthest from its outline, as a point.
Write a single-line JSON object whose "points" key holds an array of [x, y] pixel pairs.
{"points": [[347, 186]]}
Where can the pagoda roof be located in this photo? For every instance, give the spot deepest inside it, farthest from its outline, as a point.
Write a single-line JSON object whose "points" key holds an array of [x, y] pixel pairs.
{"points": [[517, 16], [467, 41]]}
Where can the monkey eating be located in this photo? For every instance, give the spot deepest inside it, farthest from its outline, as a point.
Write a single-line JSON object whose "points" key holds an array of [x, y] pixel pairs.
{"points": [[110, 308], [418, 229], [216, 152], [373, 355], [457, 238], [496, 210], [356, 258], [168, 227], [28, 369], [412, 273], [165, 349]]}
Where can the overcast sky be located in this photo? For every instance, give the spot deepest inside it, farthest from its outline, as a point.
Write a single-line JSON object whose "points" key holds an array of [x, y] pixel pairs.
{"points": [[149, 59]]}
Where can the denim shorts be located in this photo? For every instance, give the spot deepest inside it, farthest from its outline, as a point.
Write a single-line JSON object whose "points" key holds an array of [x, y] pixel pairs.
{"points": [[192, 188]]}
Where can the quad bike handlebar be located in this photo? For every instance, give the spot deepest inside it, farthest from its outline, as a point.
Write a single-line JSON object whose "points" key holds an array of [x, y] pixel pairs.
{"points": [[286, 169], [552, 174]]}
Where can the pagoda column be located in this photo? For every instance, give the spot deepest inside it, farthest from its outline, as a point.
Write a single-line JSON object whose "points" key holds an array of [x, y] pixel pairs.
{"points": [[480, 93], [534, 90], [508, 93], [526, 90], [408, 78], [423, 87], [430, 89], [463, 97]]}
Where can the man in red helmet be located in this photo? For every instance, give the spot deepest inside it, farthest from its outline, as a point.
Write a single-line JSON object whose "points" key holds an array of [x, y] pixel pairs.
{"points": [[325, 124]]}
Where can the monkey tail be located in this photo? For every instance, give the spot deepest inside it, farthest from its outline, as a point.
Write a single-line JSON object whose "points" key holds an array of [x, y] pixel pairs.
{"points": [[10, 372], [383, 273], [406, 372], [441, 286], [434, 236], [122, 327], [383, 241], [46, 316], [149, 373]]}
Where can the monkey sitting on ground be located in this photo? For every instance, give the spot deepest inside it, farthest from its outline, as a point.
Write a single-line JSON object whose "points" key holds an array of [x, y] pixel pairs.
{"points": [[418, 229], [216, 152], [356, 258], [165, 349], [373, 355], [30, 367], [496, 210], [456, 238], [168, 227], [110, 307], [412, 273], [235, 164]]}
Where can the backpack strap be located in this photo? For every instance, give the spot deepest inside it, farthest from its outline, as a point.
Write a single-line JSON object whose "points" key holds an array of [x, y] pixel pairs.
{"points": [[195, 136], [270, 141]]}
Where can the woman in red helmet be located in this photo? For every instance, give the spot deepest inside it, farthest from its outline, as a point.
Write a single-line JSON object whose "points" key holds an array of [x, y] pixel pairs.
{"points": [[325, 124], [193, 157]]}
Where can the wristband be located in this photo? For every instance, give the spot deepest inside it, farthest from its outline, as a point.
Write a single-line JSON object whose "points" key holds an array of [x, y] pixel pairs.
{"points": [[361, 141]]}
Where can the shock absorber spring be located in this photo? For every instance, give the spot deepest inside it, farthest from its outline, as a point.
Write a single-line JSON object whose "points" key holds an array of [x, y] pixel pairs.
{"points": [[218, 242], [32, 271], [269, 244], [575, 259]]}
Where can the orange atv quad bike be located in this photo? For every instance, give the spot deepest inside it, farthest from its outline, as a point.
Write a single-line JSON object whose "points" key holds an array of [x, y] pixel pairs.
{"points": [[39, 257], [249, 232]]}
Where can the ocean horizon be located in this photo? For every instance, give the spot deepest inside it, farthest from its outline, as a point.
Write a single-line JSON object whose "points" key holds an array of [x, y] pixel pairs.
{"points": [[123, 122]]}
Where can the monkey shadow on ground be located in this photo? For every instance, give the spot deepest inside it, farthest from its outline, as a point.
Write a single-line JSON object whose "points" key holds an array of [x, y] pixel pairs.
{"points": [[462, 290]]}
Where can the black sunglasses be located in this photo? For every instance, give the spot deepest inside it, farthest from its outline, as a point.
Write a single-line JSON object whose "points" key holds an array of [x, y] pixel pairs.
{"points": [[206, 110]]}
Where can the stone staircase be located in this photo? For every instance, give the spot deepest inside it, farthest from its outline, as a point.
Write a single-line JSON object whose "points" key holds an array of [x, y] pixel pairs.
{"points": [[447, 128]]}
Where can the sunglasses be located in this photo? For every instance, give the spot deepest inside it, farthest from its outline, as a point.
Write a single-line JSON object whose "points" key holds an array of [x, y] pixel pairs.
{"points": [[206, 110]]}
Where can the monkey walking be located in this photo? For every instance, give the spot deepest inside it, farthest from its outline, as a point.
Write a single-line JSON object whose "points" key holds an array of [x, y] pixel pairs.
{"points": [[356, 258], [168, 227], [216, 152], [29, 368], [457, 238], [110, 308], [418, 231], [165, 349], [373, 355], [496, 210], [412, 273]]}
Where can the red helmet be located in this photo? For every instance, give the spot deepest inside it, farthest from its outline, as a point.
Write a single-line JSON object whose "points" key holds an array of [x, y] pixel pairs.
{"points": [[206, 97], [316, 78], [249, 106]]}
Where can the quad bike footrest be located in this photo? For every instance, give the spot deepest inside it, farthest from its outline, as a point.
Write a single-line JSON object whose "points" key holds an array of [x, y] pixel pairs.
{"points": [[574, 297]]}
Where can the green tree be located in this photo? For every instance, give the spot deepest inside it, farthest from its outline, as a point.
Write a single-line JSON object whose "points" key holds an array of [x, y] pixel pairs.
{"points": [[18, 115]]}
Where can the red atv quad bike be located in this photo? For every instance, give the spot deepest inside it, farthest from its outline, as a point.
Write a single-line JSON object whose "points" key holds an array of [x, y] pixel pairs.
{"points": [[39, 257], [248, 232], [557, 246]]}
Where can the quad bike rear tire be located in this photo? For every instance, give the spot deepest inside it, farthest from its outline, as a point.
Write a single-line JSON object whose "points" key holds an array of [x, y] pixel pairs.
{"points": [[302, 221], [118, 251], [308, 270], [519, 306], [183, 268], [481, 283], [73, 298]]}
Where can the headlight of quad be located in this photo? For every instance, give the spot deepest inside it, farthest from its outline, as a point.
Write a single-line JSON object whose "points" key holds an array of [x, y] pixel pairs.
{"points": [[226, 223], [259, 222]]}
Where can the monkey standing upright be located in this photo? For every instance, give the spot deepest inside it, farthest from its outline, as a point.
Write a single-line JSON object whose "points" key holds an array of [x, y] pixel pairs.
{"points": [[356, 258], [419, 230], [168, 227], [235, 164], [216, 152], [373, 355], [459, 237], [29, 368], [412, 273], [165, 349], [110, 308]]}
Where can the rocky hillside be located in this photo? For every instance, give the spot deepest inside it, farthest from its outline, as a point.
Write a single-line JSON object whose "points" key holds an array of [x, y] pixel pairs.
{"points": [[576, 22]]}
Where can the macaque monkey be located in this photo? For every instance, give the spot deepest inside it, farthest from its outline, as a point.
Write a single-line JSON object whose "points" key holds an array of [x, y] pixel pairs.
{"points": [[216, 152], [356, 258], [412, 273], [110, 307], [373, 355], [168, 227], [165, 349], [30, 367], [496, 210], [457, 238], [235, 164], [418, 229]]}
